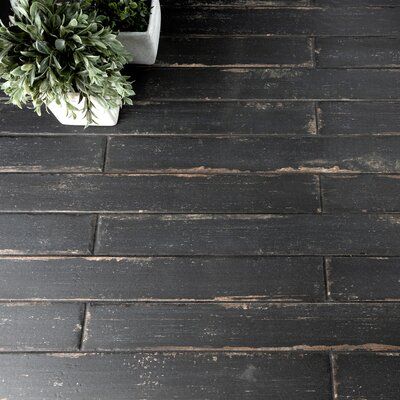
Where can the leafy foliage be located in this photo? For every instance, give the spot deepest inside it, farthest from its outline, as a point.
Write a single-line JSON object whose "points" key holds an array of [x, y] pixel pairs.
{"points": [[52, 49], [123, 15]]}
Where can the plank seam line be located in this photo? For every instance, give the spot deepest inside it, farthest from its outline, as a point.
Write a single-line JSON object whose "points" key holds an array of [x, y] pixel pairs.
{"points": [[316, 116], [95, 230], [321, 200], [61, 255], [312, 41], [105, 153], [84, 325], [325, 265], [334, 383], [187, 349]]}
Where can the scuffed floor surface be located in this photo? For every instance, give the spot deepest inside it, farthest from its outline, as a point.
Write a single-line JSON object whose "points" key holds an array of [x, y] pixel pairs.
{"points": [[235, 237]]}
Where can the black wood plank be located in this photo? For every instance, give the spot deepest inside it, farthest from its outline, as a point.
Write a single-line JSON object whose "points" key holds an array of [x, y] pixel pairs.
{"points": [[232, 325], [180, 118], [159, 193], [364, 279], [239, 51], [237, 3], [357, 3], [45, 234], [337, 21], [367, 376], [30, 326], [272, 154], [366, 193], [166, 278], [358, 118], [162, 376], [249, 235], [264, 84], [33, 154], [336, 52]]}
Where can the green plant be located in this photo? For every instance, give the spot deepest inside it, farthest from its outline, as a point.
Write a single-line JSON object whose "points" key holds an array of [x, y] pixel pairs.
{"points": [[123, 15], [51, 49]]}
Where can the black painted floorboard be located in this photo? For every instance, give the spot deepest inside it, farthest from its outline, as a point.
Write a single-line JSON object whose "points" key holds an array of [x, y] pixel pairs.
{"points": [[236, 236]]}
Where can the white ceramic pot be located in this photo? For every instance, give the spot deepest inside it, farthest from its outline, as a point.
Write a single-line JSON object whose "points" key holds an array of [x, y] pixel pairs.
{"points": [[102, 116], [143, 46]]}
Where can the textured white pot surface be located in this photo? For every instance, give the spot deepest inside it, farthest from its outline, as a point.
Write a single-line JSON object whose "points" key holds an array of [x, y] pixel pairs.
{"points": [[143, 46], [102, 116]]}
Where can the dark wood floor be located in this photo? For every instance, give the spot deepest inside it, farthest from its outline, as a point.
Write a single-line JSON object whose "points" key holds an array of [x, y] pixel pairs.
{"points": [[236, 236]]}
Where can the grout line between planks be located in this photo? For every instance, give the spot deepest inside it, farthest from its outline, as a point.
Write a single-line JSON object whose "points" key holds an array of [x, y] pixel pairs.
{"points": [[85, 321], [334, 383]]}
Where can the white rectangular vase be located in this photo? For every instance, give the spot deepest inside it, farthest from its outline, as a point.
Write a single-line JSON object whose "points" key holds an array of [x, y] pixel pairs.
{"points": [[102, 116], [143, 46]]}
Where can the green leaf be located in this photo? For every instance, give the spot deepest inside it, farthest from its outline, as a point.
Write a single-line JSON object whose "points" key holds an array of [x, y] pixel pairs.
{"points": [[77, 39], [26, 67], [42, 47], [60, 44]]}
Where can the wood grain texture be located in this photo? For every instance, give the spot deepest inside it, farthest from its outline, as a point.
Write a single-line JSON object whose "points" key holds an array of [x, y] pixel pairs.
{"points": [[271, 154], [35, 153], [149, 279], [364, 279], [161, 376], [232, 325], [365, 193], [264, 84], [337, 21], [368, 376], [45, 234], [30, 326], [237, 3], [240, 51], [249, 235], [159, 193], [358, 3], [357, 52], [358, 118], [180, 118]]}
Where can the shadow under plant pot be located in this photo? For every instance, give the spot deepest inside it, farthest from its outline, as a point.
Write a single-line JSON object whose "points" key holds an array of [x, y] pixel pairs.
{"points": [[143, 46]]}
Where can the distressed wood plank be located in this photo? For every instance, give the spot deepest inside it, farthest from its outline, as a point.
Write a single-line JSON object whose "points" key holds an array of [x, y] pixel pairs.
{"points": [[366, 193], [179, 118], [161, 376], [35, 153], [367, 376], [45, 234], [271, 154], [357, 3], [239, 51], [31, 326], [338, 21], [358, 118], [364, 279], [237, 3], [249, 235], [233, 325], [264, 84], [369, 52], [166, 278], [159, 193]]}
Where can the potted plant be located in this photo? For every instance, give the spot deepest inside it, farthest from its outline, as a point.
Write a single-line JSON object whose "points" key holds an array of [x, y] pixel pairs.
{"points": [[138, 23], [55, 54]]}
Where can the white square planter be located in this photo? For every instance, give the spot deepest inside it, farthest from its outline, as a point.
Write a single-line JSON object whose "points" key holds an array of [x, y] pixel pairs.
{"points": [[102, 116], [143, 46]]}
